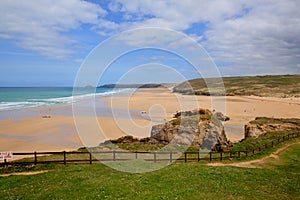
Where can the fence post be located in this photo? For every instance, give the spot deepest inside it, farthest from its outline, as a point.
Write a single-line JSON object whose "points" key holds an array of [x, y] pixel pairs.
{"points": [[210, 156], [171, 157], [253, 152], [288, 136], [198, 156], [65, 159], [259, 149], [239, 154], [114, 155], [35, 158], [246, 153], [5, 163], [136, 155], [154, 156], [91, 160], [221, 155], [184, 156], [272, 144]]}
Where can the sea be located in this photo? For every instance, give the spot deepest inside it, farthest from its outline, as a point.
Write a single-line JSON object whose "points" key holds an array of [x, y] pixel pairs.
{"points": [[14, 98], [19, 102]]}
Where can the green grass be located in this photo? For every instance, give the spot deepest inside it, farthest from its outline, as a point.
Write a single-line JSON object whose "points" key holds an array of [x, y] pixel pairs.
{"points": [[177, 181], [278, 85], [266, 120], [157, 147], [289, 160], [193, 120], [140, 147]]}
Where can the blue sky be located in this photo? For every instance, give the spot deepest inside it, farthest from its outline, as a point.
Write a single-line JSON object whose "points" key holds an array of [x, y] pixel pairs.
{"points": [[43, 43]]}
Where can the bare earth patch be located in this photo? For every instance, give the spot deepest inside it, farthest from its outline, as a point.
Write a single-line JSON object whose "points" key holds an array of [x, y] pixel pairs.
{"points": [[251, 163], [24, 173]]}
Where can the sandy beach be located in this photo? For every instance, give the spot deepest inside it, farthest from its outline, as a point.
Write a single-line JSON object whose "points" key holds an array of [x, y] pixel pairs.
{"points": [[147, 106], [240, 109]]}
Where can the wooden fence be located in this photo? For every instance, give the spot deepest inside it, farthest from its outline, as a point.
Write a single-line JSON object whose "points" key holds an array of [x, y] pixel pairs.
{"points": [[65, 157]]}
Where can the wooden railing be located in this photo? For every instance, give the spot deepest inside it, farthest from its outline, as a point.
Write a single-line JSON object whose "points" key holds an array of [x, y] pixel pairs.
{"points": [[65, 157]]}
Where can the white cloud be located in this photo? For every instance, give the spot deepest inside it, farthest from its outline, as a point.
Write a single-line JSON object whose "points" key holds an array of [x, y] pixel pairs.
{"points": [[39, 25], [179, 15], [260, 35], [105, 27], [265, 39]]}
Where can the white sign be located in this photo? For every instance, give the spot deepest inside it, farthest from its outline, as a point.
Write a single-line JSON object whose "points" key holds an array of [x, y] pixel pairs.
{"points": [[6, 155]]}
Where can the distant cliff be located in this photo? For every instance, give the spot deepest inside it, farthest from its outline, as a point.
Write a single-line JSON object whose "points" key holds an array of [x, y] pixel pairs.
{"points": [[266, 86], [154, 85]]}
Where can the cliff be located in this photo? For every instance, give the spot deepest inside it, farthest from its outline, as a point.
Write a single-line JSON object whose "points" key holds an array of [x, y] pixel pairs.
{"points": [[266, 86], [154, 85], [261, 125]]}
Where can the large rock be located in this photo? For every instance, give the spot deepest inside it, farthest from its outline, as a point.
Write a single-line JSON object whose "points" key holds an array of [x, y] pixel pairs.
{"points": [[164, 132], [220, 116], [212, 136], [189, 129]]}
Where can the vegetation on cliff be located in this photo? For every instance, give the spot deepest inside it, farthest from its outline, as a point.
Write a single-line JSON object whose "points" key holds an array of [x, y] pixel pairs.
{"points": [[263, 130], [267, 120], [276, 85]]}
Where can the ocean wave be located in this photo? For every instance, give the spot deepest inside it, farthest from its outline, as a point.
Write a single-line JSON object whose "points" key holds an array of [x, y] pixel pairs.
{"points": [[31, 103], [19, 105]]}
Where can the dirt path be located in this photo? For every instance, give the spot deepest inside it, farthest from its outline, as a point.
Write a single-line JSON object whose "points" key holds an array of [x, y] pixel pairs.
{"points": [[250, 164], [24, 173]]}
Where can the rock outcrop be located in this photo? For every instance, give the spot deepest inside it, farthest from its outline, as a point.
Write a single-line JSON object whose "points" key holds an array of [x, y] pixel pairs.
{"points": [[200, 127], [220, 116], [262, 125]]}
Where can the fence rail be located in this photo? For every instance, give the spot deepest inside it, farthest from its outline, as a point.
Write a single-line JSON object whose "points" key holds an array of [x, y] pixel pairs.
{"points": [[65, 157]]}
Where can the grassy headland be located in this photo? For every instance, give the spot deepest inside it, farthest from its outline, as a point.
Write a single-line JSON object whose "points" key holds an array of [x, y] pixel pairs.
{"points": [[265, 86], [277, 180]]}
